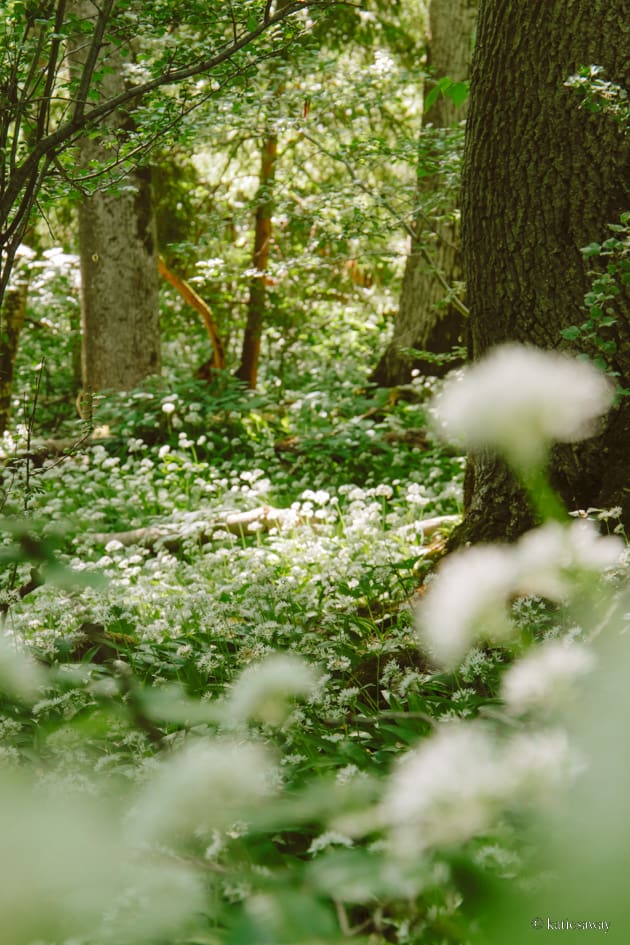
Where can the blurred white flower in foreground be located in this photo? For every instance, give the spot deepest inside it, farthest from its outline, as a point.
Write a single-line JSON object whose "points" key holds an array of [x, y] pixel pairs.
{"points": [[544, 677], [520, 399], [468, 599], [207, 785], [20, 676], [263, 690], [68, 870], [455, 784], [552, 559]]}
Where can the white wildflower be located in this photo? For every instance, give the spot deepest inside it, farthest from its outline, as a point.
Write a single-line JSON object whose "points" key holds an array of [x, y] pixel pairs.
{"points": [[70, 855], [206, 786], [20, 676], [456, 783], [545, 676], [328, 839], [443, 792], [520, 399], [263, 690], [536, 765], [469, 598], [168, 407], [467, 601], [384, 490], [550, 559]]}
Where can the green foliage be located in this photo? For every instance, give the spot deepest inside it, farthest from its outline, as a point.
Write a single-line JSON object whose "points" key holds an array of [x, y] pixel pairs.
{"points": [[456, 91], [228, 712], [270, 732], [599, 95], [599, 334]]}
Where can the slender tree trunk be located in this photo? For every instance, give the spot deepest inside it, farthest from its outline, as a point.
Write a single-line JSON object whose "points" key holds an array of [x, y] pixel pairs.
{"points": [[543, 178], [12, 317], [248, 368], [426, 319], [119, 257]]}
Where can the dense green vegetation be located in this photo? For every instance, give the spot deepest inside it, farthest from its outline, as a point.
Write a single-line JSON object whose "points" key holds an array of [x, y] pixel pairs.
{"points": [[254, 689]]}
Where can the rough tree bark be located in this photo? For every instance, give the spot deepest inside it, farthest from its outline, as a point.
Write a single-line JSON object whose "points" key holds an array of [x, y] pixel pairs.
{"points": [[543, 178], [119, 278], [119, 255], [426, 320]]}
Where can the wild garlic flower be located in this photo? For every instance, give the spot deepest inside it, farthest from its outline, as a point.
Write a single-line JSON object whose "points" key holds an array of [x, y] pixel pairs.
{"points": [[206, 786], [544, 678], [468, 599], [442, 792], [553, 559], [69, 871], [264, 690], [19, 674], [518, 400], [455, 784]]}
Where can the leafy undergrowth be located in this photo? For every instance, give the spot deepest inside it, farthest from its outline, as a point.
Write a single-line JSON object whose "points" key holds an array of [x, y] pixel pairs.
{"points": [[237, 701], [162, 628]]}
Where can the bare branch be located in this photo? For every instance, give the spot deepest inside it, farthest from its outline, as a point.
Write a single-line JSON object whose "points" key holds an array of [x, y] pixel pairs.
{"points": [[91, 59], [234, 26], [51, 70]]}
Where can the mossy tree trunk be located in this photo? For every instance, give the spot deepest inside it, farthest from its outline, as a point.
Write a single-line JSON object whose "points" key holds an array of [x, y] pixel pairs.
{"points": [[542, 178], [119, 253], [426, 319]]}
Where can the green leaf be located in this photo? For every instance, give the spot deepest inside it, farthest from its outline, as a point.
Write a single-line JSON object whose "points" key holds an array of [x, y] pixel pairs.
{"points": [[432, 97], [285, 919], [458, 92], [572, 333]]}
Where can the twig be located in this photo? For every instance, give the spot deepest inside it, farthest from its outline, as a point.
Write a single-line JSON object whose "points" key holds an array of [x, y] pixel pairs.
{"points": [[29, 436], [344, 922]]}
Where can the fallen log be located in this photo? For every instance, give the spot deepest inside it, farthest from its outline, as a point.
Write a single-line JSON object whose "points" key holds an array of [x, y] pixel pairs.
{"points": [[171, 535]]}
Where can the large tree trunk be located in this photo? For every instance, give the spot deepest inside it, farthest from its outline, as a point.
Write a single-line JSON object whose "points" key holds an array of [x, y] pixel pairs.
{"points": [[426, 320], [543, 178], [119, 258], [120, 300]]}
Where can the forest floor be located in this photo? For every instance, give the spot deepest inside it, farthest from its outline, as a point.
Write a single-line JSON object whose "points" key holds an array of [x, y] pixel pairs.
{"points": [[190, 540]]}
